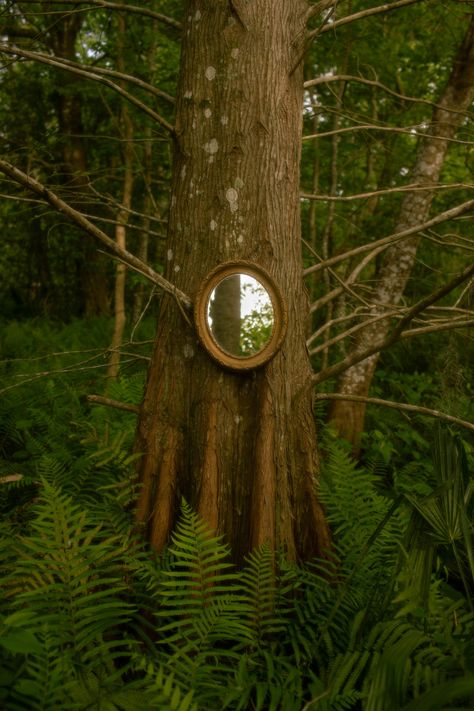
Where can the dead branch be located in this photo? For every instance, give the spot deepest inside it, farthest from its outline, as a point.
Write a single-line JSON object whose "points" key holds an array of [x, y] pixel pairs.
{"points": [[121, 7], [395, 335], [410, 130], [413, 187], [438, 219], [99, 400], [325, 79], [387, 7], [404, 407], [89, 74], [78, 219]]}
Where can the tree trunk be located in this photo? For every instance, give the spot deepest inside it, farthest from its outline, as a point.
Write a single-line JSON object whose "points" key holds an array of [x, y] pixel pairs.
{"points": [[126, 133], [241, 448], [348, 417], [63, 37]]}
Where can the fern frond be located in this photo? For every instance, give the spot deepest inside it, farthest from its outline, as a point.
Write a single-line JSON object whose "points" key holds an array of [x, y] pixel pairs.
{"points": [[69, 577]]}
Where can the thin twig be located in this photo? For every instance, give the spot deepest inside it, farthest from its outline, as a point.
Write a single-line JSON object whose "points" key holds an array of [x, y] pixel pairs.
{"points": [[397, 236], [414, 187], [89, 74], [387, 7], [413, 131], [121, 7], [325, 79], [99, 400], [417, 308], [405, 407], [78, 218]]}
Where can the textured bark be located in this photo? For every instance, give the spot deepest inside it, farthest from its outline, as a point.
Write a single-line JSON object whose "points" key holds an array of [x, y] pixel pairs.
{"points": [[348, 417], [241, 448]]}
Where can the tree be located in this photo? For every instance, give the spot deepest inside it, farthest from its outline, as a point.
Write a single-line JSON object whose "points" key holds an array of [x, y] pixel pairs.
{"points": [[398, 261], [240, 447]]}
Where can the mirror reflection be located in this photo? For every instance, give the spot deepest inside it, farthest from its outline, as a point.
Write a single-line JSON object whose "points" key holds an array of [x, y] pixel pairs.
{"points": [[240, 315]]}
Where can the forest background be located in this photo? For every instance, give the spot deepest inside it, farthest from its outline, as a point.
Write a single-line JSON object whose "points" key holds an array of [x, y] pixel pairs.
{"points": [[91, 616]]}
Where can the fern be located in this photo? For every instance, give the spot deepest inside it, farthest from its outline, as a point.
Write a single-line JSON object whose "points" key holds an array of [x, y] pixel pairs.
{"points": [[68, 577]]}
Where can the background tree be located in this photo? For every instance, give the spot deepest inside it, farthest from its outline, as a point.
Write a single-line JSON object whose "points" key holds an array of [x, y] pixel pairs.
{"points": [[397, 263]]}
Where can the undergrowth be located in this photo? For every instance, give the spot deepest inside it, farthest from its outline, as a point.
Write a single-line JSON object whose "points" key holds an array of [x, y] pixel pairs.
{"points": [[91, 618]]}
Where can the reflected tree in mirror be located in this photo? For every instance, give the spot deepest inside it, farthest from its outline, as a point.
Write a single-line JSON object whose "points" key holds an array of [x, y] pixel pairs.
{"points": [[224, 314], [240, 315]]}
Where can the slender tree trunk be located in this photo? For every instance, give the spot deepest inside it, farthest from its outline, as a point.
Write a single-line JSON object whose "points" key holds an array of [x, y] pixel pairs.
{"points": [[241, 448], [126, 127], [396, 267], [142, 250], [63, 37]]}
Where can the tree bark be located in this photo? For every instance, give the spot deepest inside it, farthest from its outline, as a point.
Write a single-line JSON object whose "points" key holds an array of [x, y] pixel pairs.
{"points": [[241, 448], [348, 417]]}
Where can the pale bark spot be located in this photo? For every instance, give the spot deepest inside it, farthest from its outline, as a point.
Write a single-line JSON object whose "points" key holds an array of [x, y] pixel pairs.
{"points": [[188, 94], [232, 197], [170, 255], [235, 53], [188, 350], [213, 225], [183, 172], [224, 120], [197, 16], [210, 73], [240, 239], [212, 146], [207, 113], [177, 268], [238, 183]]}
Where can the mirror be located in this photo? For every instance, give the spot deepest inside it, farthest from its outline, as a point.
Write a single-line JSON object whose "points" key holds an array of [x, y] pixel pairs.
{"points": [[240, 315]]}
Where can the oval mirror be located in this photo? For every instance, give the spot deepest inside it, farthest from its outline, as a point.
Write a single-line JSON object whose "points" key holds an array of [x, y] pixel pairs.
{"points": [[240, 315]]}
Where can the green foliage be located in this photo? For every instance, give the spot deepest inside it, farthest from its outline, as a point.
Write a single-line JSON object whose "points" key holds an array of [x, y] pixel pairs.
{"points": [[91, 619]]}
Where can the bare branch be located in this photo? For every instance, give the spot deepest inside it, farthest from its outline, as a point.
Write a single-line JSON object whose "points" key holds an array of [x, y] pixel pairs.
{"points": [[107, 72], [78, 218], [350, 332], [410, 130], [422, 330], [397, 236], [394, 336], [122, 7], [325, 79], [89, 74], [446, 326], [362, 15], [99, 400], [413, 187], [404, 407]]}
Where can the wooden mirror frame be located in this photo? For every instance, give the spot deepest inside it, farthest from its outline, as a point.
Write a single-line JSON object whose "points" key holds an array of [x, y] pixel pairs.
{"points": [[280, 318]]}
